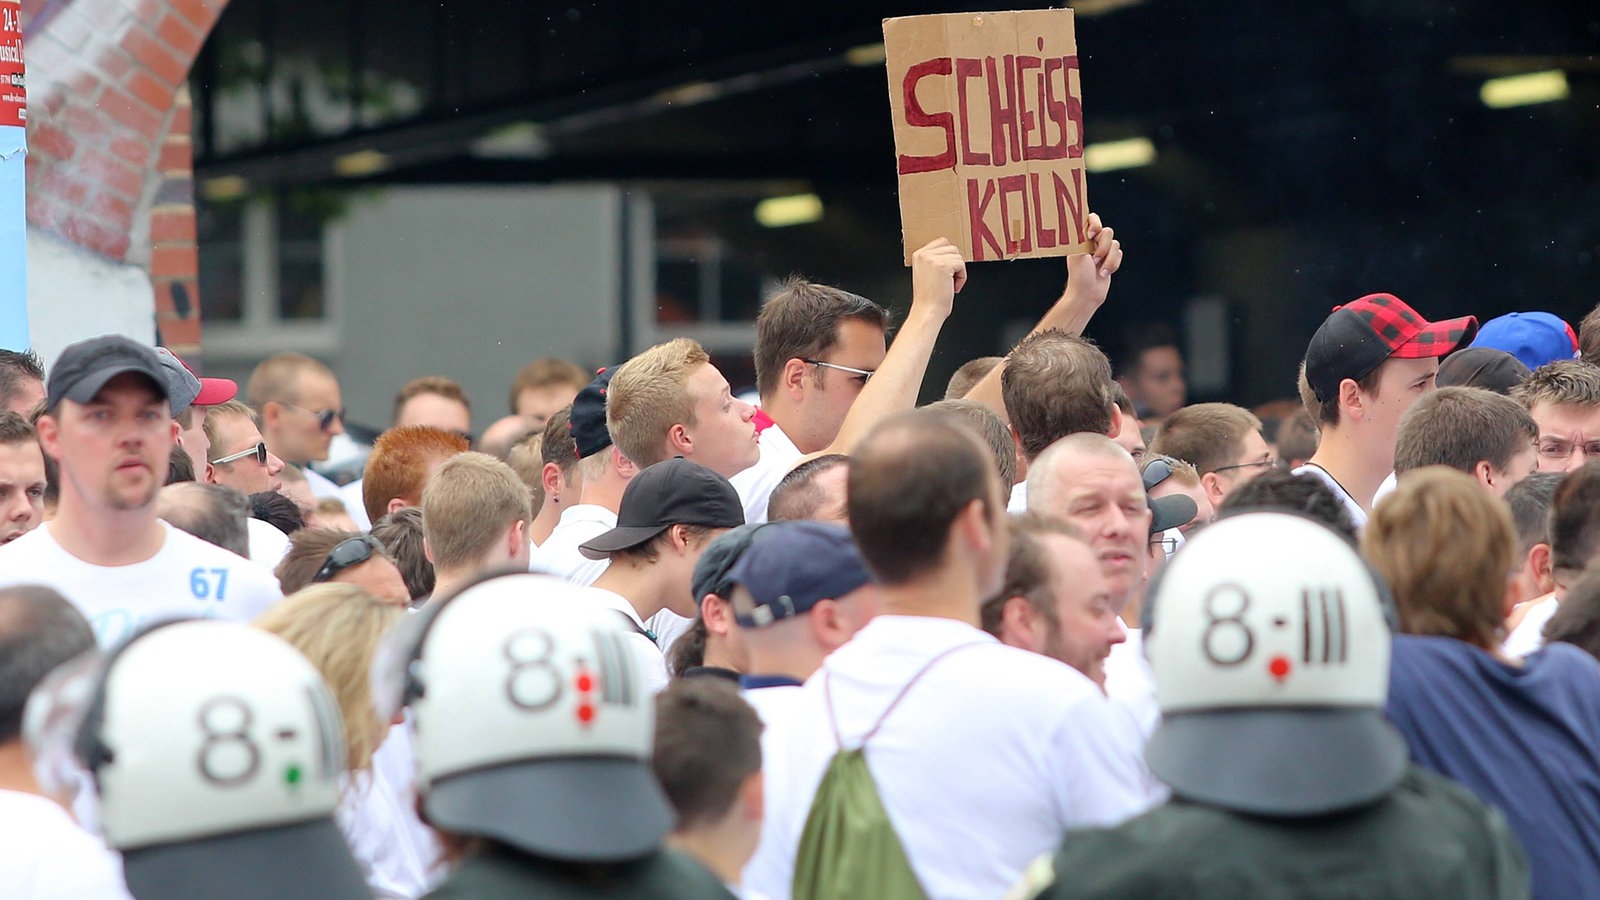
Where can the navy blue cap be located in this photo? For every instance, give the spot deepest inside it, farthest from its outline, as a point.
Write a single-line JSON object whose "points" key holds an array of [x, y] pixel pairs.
{"points": [[588, 417], [711, 570], [792, 566]]}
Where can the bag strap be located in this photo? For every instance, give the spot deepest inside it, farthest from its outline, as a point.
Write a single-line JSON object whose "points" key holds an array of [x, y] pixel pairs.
{"points": [[827, 696], [635, 627]]}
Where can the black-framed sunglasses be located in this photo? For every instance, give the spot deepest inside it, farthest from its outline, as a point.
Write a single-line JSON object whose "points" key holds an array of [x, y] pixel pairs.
{"points": [[325, 417], [259, 451], [1273, 463], [350, 552], [864, 374]]}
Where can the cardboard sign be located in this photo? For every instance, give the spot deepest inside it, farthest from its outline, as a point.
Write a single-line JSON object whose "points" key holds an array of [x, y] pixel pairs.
{"points": [[988, 132], [13, 100]]}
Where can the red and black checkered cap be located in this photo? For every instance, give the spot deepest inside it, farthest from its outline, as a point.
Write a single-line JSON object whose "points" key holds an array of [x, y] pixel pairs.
{"points": [[1360, 335]]}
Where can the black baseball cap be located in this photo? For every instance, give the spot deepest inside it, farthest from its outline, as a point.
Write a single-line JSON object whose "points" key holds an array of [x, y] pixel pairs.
{"points": [[588, 417], [711, 570], [1171, 511], [85, 367], [1483, 367], [672, 492]]}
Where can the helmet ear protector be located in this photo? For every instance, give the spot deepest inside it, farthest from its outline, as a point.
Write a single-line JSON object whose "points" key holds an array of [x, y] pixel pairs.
{"points": [[88, 744]]}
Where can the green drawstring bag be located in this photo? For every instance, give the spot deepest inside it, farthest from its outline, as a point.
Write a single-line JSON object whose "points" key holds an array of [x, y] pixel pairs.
{"points": [[849, 847]]}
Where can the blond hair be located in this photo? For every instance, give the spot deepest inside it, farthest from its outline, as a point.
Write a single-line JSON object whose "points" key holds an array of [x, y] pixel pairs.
{"points": [[215, 415], [649, 395], [467, 506], [277, 378], [1446, 547], [337, 627]]}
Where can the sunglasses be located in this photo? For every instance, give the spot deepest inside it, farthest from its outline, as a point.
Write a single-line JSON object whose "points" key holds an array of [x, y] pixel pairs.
{"points": [[864, 374], [325, 417], [259, 451], [351, 552]]}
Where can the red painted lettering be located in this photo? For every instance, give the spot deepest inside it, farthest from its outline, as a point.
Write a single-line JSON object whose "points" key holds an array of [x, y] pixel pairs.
{"points": [[1003, 116], [965, 69], [977, 212], [1021, 242], [1045, 237], [919, 118], [1069, 204], [1054, 112], [1031, 120]]}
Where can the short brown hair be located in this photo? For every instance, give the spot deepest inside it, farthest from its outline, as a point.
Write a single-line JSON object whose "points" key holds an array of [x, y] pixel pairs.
{"points": [[1446, 547], [1298, 437], [990, 428], [1460, 427], [1055, 384], [797, 495], [448, 388], [1577, 618], [1027, 570], [1326, 412], [308, 550], [1205, 435], [277, 378], [400, 533], [707, 742], [558, 446], [967, 377], [1589, 337], [801, 321], [909, 479], [398, 466], [14, 429], [1575, 519], [648, 395], [546, 372], [1567, 382], [467, 506]]}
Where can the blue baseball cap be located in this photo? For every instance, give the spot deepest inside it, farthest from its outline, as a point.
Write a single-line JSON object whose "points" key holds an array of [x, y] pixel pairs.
{"points": [[1535, 338], [792, 566]]}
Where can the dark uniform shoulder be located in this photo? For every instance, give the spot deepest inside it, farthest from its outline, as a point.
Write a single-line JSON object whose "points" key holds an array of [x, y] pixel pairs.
{"points": [[503, 873]]}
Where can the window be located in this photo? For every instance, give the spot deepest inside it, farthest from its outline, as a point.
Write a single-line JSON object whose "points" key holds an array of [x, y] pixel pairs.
{"points": [[263, 276]]}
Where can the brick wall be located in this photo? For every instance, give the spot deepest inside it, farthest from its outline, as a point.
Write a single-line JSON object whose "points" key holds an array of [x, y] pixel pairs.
{"points": [[110, 167]]}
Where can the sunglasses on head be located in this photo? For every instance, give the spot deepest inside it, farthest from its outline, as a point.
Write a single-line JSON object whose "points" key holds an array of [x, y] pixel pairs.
{"points": [[350, 552], [259, 451]]}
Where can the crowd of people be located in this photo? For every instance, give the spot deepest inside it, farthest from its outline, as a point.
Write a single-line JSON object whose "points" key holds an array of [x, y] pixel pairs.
{"points": [[1060, 634]]}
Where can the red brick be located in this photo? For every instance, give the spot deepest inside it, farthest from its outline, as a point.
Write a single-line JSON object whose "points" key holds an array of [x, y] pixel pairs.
{"points": [[59, 182], [112, 173], [96, 236], [174, 260], [147, 88], [181, 333], [169, 224], [154, 55], [46, 212], [176, 156], [145, 11], [181, 114], [180, 36], [111, 208], [121, 107], [86, 125], [200, 13], [133, 150], [44, 138], [116, 64]]}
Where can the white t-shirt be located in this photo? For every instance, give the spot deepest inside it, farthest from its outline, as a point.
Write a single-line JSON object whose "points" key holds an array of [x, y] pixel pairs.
{"points": [[186, 577], [398, 855], [652, 664], [982, 766], [44, 855], [559, 555], [321, 486], [1528, 636], [1018, 503], [355, 504], [755, 484], [1357, 514], [1131, 684], [772, 704], [268, 545]]}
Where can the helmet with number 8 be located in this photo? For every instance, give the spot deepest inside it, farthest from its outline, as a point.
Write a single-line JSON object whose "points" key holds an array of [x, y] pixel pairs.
{"points": [[532, 725], [1270, 650], [217, 749]]}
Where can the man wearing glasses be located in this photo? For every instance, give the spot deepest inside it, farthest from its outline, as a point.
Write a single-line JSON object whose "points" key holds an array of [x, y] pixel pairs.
{"points": [[109, 427], [1222, 441], [301, 410], [1564, 399], [240, 459]]}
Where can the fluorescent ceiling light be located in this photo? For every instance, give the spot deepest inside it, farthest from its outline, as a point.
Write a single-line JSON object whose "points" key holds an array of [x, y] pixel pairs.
{"points": [[224, 187], [1524, 90], [690, 94], [361, 162], [781, 212], [866, 55], [1112, 155], [518, 140]]}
